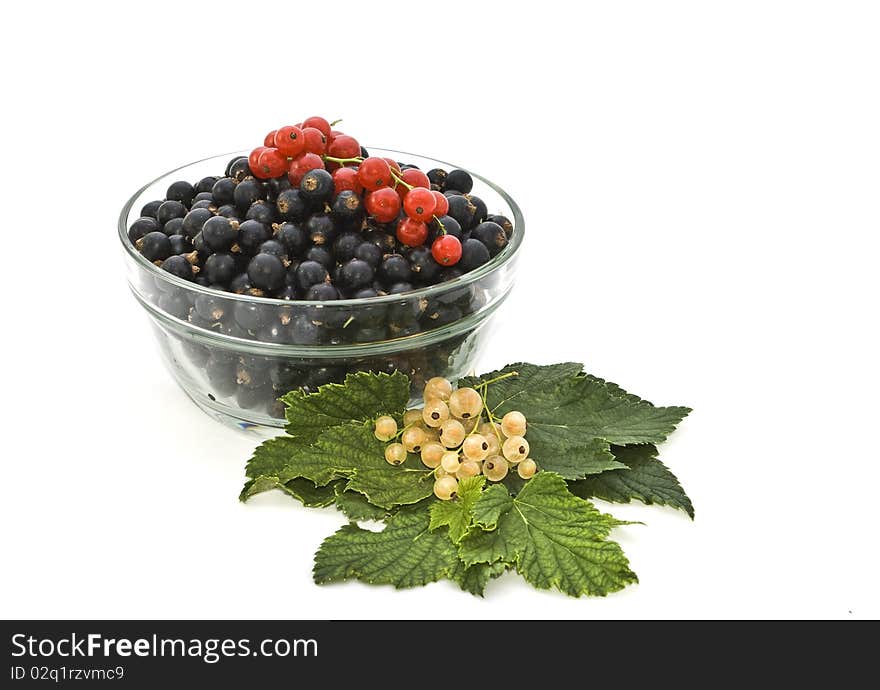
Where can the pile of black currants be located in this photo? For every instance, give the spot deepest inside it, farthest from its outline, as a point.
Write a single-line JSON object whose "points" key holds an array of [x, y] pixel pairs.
{"points": [[312, 217]]}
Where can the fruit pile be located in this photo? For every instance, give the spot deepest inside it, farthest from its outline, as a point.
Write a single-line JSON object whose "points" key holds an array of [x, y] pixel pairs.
{"points": [[454, 439], [310, 215]]}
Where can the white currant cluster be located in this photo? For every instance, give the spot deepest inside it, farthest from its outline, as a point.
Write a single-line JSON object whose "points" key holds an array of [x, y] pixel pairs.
{"points": [[457, 436]]}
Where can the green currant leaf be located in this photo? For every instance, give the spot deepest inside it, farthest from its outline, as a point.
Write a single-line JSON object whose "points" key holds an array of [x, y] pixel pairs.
{"points": [[457, 514], [644, 478], [405, 554], [553, 538], [356, 507], [361, 397], [474, 578]]}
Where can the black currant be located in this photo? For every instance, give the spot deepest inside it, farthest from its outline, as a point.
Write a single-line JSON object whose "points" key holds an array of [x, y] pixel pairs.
{"points": [[263, 212], [320, 228], [293, 237], [205, 185], [450, 226], [288, 292], [194, 220], [239, 169], [276, 185], [178, 266], [202, 196], [310, 273], [240, 284], [395, 269], [248, 315], [492, 235], [228, 211], [437, 176], [425, 269], [209, 307], [369, 252], [356, 274], [461, 208], [402, 286], [345, 246], [142, 226], [503, 221], [181, 191], [223, 191], [275, 248], [317, 186], [247, 192], [481, 211], [322, 292], [459, 180], [303, 331], [266, 272], [220, 268], [175, 303], [150, 208], [208, 204], [348, 204], [473, 254], [220, 233], [292, 205], [173, 227], [251, 234], [322, 255], [180, 244], [170, 209], [220, 370], [385, 241], [155, 246]]}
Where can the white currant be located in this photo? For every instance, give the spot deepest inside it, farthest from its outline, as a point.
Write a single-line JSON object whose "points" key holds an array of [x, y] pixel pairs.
{"points": [[515, 449], [452, 433], [413, 439], [475, 447], [395, 453], [435, 413], [437, 388], [495, 468], [450, 461], [386, 428], [431, 454], [445, 488], [469, 468], [527, 468], [465, 403], [513, 424]]}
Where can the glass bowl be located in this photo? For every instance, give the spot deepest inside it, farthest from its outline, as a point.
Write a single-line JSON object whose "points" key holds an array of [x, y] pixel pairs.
{"points": [[235, 355]]}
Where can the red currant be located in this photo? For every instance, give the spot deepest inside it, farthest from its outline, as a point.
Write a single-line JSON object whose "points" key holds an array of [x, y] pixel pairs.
{"points": [[269, 139], [347, 179], [446, 250], [271, 163], [254, 157], [442, 207], [315, 140], [334, 134], [415, 178], [383, 204], [318, 123], [374, 174], [393, 165], [301, 165], [419, 204], [344, 146], [290, 141], [412, 233]]}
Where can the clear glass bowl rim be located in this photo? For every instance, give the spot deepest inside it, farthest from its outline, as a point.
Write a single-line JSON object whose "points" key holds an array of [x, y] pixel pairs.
{"points": [[468, 278]]}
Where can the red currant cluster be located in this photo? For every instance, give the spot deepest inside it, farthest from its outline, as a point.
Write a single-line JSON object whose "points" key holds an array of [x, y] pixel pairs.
{"points": [[294, 150]]}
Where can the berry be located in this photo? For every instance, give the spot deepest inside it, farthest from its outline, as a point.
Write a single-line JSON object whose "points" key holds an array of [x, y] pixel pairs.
{"points": [[355, 274], [344, 146], [318, 123], [452, 433], [527, 468], [432, 453], [301, 165], [469, 468], [374, 173], [460, 181], [412, 417], [386, 428], [345, 246], [441, 207], [180, 244], [383, 204], [194, 220], [269, 139], [495, 468], [504, 222], [240, 168], [321, 229], [149, 209], [292, 205], [513, 424], [317, 186], [251, 234], [450, 461], [475, 447], [465, 403], [219, 233], [247, 192], [347, 205], [321, 255], [437, 388], [142, 226], [169, 210], [425, 270], [435, 413], [293, 237], [347, 179], [395, 269], [445, 488], [290, 141], [413, 439], [310, 273], [273, 247], [223, 190], [473, 255], [266, 272], [155, 246], [220, 268], [178, 266], [419, 204], [415, 178], [270, 163], [446, 250], [515, 449], [492, 235], [437, 176], [182, 191], [412, 233], [395, 454], [322, 292], [315, 140]]}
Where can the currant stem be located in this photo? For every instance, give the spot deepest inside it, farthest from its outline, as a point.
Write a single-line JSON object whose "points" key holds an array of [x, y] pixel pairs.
{"points": [[342, 161], [499, 378], [335, 122]]}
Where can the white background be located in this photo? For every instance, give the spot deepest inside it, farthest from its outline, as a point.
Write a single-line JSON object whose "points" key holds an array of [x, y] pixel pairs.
{"points": [[701, 186]]}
